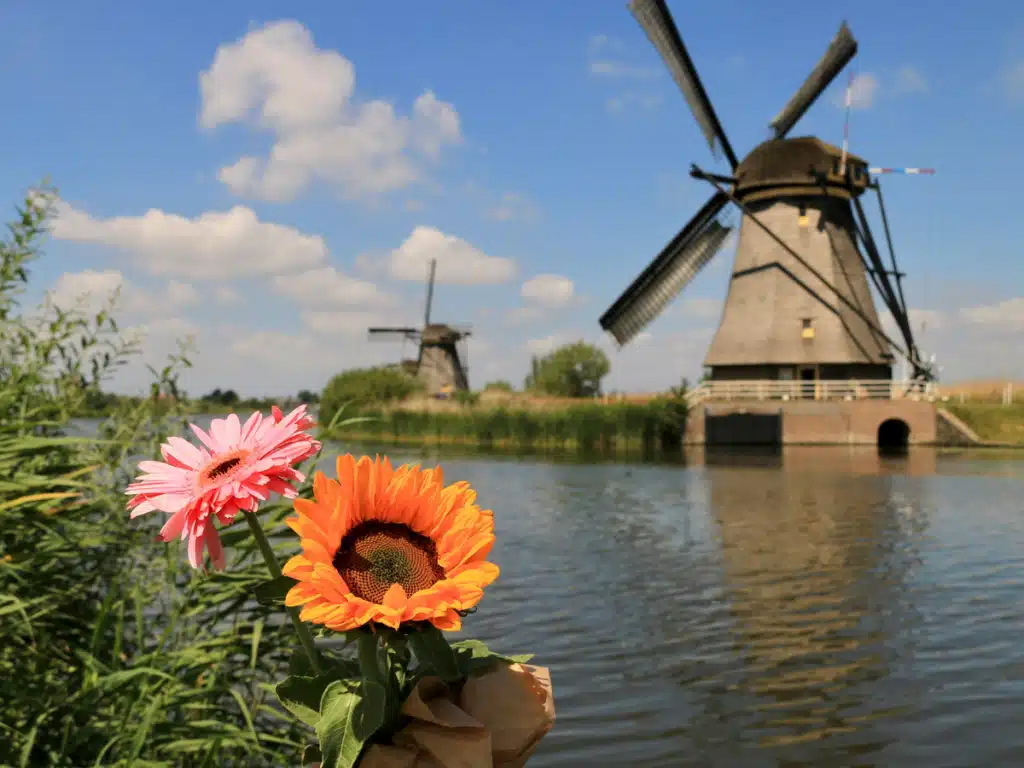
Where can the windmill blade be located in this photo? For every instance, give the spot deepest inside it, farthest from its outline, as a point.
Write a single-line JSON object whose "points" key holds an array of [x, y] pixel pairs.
{"points": [[654, 17], [430, 292], [842, 48], [669, 273], [409, 332]]}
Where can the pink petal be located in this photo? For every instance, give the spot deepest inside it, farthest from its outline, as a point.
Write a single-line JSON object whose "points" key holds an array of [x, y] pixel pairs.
{"points": [[183, 451], [213, 544], [195, 550], [251, 425], [205, 438], [174, 526]]}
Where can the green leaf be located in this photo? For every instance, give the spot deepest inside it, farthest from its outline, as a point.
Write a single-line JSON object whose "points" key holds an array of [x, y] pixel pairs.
{"points": [[434, 652], [474, 657], [337, 669], [273, 592], [311, 754], [350, 713], [301, 695]]}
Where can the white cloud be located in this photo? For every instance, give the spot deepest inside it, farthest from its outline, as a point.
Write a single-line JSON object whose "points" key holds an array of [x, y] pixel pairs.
{"points": [[353, 322], [547, 344], [1004, 317], [910, 80], [513, 207], [523, 315], [226, 295], [1012, 80], [214, 245], [326, 286], [90, 290], [458, 262], [863, 92], [603, 60], [623, 101], [703, 308], [276, 78], [551, 291]]}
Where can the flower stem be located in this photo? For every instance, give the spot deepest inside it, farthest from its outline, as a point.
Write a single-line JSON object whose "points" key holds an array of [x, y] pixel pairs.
{"points": [[369, 659], [305, 637]]}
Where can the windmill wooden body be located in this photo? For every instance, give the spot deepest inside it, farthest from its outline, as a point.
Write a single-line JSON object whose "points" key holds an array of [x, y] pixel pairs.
{"points": [[799, 303], [440, 362]]}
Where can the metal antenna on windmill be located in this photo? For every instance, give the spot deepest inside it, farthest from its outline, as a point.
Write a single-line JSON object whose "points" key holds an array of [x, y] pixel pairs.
{"points": [[430, 291]]}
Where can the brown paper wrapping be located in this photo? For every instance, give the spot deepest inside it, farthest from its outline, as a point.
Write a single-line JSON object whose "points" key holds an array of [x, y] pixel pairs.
{"points": [[495, 722]]}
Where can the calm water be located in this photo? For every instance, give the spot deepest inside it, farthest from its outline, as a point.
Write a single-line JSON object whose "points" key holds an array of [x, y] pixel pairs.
{"points": [[824, 608]]}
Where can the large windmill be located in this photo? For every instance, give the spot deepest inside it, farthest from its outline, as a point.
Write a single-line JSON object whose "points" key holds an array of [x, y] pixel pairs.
{"points": [[799, 304], [440, 363]]}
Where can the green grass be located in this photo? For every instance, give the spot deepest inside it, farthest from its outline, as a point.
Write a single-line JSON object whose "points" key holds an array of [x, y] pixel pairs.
{"points": [[992, 422], [623, 428]]}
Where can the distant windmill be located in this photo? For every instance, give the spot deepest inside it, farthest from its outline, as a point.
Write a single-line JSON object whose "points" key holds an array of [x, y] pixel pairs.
{"points": [[799, 303], [440, 363]]}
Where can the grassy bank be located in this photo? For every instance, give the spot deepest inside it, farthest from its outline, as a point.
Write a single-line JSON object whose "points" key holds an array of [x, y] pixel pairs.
{"points": [[618, 427], [992, 422]]}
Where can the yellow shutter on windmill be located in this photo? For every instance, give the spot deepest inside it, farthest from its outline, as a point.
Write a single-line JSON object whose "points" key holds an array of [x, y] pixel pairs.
{"points": [[803, 221], [807, 332]]}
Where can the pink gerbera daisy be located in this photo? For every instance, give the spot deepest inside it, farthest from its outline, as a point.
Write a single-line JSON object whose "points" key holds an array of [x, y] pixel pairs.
{"points": [[238, 467]]}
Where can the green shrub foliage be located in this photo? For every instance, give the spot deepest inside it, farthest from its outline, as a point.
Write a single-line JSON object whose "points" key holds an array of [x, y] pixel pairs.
{"points": [[113, 651]]}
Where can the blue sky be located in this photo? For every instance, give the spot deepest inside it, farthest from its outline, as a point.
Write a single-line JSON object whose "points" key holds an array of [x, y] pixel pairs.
{"points": [[506, 139]]}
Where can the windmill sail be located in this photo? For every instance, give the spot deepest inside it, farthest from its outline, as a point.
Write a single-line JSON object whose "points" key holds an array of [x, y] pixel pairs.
{"points": [[669, 273], [654, 17], [842, 48]]}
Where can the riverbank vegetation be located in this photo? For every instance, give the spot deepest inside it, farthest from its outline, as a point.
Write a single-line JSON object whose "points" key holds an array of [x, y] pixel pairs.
{"points": [[992, 422], [112, 650], [559, 410]]}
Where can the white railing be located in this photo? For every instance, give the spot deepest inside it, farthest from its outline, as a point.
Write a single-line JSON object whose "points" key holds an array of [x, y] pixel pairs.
{"points": [[770, 389]]}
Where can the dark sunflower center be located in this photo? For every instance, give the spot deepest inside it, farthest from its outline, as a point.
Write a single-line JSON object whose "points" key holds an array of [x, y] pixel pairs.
{"points": [[373, 556], [221, 469]]}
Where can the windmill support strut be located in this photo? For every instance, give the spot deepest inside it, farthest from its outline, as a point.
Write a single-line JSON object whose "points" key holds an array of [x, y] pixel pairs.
{"points": [[892, 252], [900, 315], [697, 173]]}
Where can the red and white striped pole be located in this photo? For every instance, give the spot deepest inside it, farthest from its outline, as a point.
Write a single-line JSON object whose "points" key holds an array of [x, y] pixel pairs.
{"points": [[905, 171], [846, 125]]}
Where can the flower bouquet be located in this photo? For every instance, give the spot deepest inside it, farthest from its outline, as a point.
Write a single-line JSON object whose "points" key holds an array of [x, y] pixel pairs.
{"points": [[391, 558]]}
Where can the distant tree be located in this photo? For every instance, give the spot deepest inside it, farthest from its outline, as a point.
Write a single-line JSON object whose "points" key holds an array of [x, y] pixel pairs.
{"points": [[499, 386], [366, 387], [573, 370], [307, 398], [222, 397]]}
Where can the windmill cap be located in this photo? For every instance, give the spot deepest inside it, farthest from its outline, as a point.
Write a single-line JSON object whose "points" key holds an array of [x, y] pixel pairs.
{"points": [[797, 168], [439, 333]]}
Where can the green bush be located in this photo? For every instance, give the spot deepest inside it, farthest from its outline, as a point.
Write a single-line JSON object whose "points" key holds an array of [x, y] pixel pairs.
{"points": [[113, 651], [363, 387], [499, 386]]}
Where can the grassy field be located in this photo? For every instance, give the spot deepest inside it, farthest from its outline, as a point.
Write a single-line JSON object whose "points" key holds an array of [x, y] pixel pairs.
{"points": [[979, 404], [530, 423], [991, 421], [982, 391]]}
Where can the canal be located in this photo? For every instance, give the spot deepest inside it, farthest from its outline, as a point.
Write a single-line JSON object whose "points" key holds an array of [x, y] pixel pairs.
{"points": [[824, 607]]}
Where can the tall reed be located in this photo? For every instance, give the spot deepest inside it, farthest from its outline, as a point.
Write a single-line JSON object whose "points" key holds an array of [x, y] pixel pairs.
{"points": [[651, 428], [112, 652]]}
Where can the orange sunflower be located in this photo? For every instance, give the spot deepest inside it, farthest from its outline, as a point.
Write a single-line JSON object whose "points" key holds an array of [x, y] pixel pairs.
{"points": [[389, 546]]}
